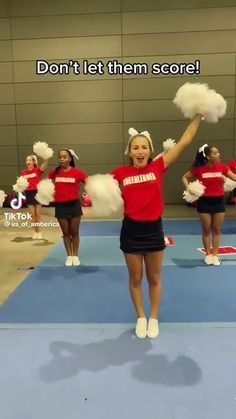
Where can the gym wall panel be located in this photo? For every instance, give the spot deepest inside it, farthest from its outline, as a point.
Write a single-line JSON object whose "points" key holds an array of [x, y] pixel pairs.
{"points": [[5, 51], [69, 113], [4, 8], [187, 20], [6, 72], [172, 184], [6, 94], [61, 135], [8, 136], [180, 43], [136, 89], [83, 91], [61, 48], [66, 26], [8, 175], [96, 154], [140, 5], [226, 148], [62, 7], [7, 115], [160, 110], [162, 130], [9, 155], [5, 32]]}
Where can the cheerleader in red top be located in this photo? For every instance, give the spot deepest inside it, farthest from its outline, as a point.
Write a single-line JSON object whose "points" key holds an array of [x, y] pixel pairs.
{"points": [[232, 166], [68, 210], [208, 169], [142, 237], [33, 174]]}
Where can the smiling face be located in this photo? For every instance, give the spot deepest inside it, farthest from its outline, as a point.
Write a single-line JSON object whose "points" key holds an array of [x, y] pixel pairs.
{"points": [[139, 151], [214, 155], [64, 158], [30, 162]]}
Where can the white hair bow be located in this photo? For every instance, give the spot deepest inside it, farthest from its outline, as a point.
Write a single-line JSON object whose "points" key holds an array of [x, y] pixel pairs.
{"points": [[202, 149], [133, 132], [73, 153], [35, 158]]}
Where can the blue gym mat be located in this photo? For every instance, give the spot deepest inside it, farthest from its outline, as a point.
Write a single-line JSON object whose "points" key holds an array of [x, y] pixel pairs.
{"points": [[105, 372], [104, 251], [171, 227], [100, 295]]}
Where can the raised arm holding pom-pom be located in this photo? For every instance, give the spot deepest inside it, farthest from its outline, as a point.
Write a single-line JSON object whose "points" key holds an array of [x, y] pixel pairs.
{"points": [[142, 237], [27, 183]]}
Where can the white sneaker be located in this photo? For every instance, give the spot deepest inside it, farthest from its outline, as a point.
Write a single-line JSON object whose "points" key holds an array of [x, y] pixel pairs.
{"points": [[69, 261], [39, 236], [75, 261], [216, 261], [153, 328], [208, 260], [141, 327], [35, 236]]}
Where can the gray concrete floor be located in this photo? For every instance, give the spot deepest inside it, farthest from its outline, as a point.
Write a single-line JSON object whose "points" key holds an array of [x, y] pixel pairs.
{"points": [[18, 251]]}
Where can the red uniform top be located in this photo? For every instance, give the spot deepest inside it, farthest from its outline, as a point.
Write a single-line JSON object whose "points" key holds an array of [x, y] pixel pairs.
{"points": [[33, 176], [232, 165], [67, 183], [142, 190], [211, 177]]}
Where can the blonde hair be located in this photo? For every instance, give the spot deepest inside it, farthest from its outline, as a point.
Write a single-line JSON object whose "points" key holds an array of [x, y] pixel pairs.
{"points": [[34, 159]]}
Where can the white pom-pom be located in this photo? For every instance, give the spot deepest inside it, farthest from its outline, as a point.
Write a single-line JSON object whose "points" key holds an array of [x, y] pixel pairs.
{"points": [[132, 132], [42, 150], [21, 184], [196, 188], [46, 190], [229, 184], [105, 194], [193, 98], [188, 197], [168, 144], [194, 191], [2, 197]]}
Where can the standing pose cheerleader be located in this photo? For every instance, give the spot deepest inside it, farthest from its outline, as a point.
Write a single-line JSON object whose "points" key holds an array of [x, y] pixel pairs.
{"points": [[33, 174], [66, 178], [208, 169], [142, 237]]}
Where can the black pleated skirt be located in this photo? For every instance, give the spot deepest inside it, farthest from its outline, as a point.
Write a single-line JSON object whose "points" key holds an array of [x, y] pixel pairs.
{"points": [[211, 204], [141, 236], [30, 197], [68, 209]]}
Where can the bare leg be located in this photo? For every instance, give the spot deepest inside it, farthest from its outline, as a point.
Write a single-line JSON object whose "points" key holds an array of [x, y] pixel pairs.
{"points": [[217, 222], [135, 267], [64, 224], [153, 262], [31, 209], [74, 224], [37, 210], [206, 220]]}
